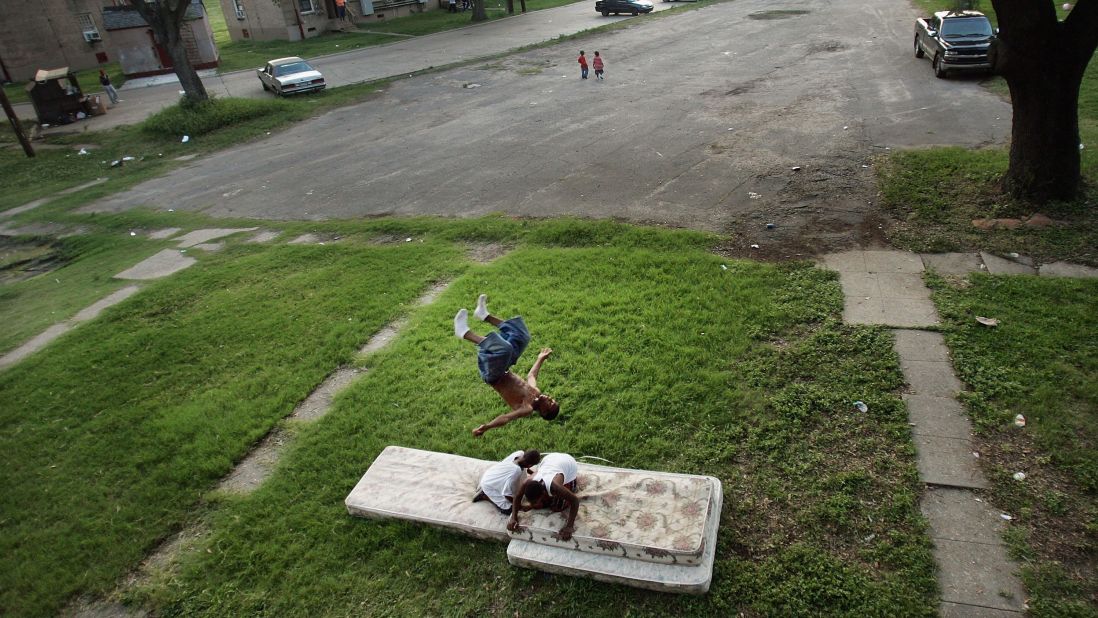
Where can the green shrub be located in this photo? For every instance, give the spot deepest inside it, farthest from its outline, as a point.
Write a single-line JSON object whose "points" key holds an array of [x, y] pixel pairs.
{"points": [[207, 116]]}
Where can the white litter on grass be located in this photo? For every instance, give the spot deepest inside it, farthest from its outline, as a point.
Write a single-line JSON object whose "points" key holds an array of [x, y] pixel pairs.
{"points": [[82, 152], [754, 246], [133, 233], [861, 407], [865, 166], [658, 153], [128, 158], [975, 454], [1019, 476], [472, 86], [796, 168], [724, 267], [1005, 516], [186, 138], [845, 128], [409, 239], [752, 195], [990, 322], [1019, 420]]}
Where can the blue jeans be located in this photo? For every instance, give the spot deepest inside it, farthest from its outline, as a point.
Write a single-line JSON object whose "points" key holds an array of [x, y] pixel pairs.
{"points": [[500, 351], [583, 72]]}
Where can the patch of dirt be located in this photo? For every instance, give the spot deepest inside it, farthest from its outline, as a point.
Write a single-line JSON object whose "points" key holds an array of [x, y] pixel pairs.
{"points": [[483, 253], [830, 46], [21, 260], [777, 14]]}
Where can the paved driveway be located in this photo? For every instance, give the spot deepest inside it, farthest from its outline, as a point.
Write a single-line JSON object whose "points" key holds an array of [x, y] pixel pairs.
{"points": [[700, 123]]}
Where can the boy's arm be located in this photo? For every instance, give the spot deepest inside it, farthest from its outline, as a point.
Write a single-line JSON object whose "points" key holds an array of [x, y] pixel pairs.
{"points": [[532, 377], [573, 508], [501, 420]]}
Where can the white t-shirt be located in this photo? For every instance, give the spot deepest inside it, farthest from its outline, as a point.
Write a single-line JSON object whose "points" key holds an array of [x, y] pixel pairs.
{"points": [[498, 482], [553, 464]]}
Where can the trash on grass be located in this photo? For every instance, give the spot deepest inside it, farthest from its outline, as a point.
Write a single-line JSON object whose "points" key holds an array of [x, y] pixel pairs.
{"points": [[409, 239], [1005, 516], [1019, 476], [186, 138], [796, 168], [128, 158], [724, 267], [861, 407], [754, 246], [471, 86], [116, 163], [133, 233], [769, 226], [752, 195], [82, 152], [991, 322], [1019, 420]]}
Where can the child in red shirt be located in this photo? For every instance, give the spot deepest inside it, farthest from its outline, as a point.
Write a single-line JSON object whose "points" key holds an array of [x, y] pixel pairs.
{"points": [[597, 65], [583, 65]]}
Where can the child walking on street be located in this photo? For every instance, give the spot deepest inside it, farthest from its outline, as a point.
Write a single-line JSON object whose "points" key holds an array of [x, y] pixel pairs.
{"points": [[597, 65], [583, 65]]}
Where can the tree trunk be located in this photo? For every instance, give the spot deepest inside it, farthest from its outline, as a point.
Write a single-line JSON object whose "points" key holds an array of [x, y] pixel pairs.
{"points": [[479, 14], [165, 17], [1043, 61], [510, 7]]}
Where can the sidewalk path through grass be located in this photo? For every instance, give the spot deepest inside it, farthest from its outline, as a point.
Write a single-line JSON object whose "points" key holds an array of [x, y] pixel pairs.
{"points": [[886, 288]]}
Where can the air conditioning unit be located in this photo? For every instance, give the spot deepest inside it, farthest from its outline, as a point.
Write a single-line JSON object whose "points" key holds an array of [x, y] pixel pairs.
{"points": [[91, 36]]}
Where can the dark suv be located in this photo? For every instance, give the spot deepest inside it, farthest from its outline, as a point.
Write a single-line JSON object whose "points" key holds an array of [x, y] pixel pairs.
{"points": [[617, 7]]}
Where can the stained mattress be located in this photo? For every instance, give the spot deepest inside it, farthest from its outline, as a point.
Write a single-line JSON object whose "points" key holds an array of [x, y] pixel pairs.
{"points": [[634, 514]]}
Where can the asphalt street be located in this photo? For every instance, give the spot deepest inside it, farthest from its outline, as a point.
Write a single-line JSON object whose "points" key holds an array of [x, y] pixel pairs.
{"points": [[724, 119]]}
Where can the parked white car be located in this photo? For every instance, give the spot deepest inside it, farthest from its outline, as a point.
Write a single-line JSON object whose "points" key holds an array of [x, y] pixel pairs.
{"points": [[289, 76]]}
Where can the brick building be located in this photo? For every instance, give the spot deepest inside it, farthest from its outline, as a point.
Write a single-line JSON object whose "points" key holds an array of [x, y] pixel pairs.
{"points": [[83, 34], [294, 20]]}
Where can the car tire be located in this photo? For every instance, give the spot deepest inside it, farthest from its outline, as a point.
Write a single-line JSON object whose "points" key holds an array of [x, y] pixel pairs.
{"points": [[606, 13], [918, 50], [939, 72], [635, 13]]}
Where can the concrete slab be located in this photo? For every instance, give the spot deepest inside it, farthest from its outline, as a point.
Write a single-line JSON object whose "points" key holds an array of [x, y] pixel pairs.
{"points": [[11, 212], [847, 261], [318, 402], [857, 283], [931, 378], [947, 461], [210, 246], [1067, 269], [305, 239], [81, 187], [618, 570], [92, 311], [35, 344], [198, 237], [937, 416], [264, 236], [167, 232], [893, 262], [955, 515], [908, 312], [1002, 266], [167, 262], [863, 310], [256, 467], [902, 285], [977, 574], [952, 263], [959, 610], [920, 345]]}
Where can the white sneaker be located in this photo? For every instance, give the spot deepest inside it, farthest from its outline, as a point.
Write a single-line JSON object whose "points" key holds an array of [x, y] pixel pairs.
{"points": [[461, 323], [481, 312]]}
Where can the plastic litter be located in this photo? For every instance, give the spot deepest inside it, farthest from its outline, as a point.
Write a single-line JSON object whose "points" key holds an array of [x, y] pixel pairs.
{"points": [[975, 454], [1005, 516], [752, 195], [989, 322], [861, 407], [82, 152], [796, 168], [769, 226], [133, 233], [128, 158], [471, 86], [409, 239], [116, 163], [1019, 420], [754, 246], [1019, 476], [186, 138], [724, 267]]}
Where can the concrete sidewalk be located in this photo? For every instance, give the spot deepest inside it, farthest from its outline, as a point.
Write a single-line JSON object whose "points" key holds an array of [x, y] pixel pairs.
{"points": [[494, 38]]}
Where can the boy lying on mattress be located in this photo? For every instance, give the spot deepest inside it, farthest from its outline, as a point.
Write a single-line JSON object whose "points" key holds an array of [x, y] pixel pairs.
{"points": [[496, 354], [553, 486]]}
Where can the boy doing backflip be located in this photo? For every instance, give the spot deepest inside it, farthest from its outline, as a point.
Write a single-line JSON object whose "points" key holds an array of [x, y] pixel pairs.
{"points": [[496, 354]]}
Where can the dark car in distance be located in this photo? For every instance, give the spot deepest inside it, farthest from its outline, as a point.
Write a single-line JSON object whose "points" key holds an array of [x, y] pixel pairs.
{"points": [[618, 7]]}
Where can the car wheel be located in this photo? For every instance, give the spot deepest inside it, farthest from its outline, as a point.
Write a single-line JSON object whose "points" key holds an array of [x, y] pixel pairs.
{"points": [[606, 13], [939, 71], [918, 50], [634, 12]]}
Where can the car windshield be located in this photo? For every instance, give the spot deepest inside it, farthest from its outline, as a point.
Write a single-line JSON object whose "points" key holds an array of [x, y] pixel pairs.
{"points": [[290, 69], [959, 28]]}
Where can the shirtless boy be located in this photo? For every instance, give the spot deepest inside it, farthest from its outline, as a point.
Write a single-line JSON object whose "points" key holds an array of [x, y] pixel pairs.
{"points": [[496, 354]]}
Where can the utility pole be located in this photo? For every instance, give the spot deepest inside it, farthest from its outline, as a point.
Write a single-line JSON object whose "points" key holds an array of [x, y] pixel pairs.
{"points": [[14, 120]]}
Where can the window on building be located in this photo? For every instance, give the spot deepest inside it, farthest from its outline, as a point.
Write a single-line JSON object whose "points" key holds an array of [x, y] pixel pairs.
{"points": [[239, 4], [307, 6], [91, 33]]}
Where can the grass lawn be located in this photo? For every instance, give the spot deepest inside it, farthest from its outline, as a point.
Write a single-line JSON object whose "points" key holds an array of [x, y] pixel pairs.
{"points": [[936, 193], [250, 54], [1041, 362], [88, 80], [114, 436], [28, 307]]}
